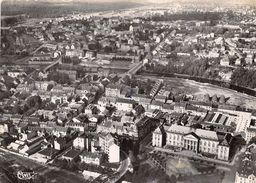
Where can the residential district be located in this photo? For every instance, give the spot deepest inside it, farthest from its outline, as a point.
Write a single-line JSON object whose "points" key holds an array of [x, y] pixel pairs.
{"points": [[92, 93]]}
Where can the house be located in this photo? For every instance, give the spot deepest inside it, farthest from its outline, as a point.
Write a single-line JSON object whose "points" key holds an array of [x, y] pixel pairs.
{"points": [[112, 90], [203, 105], [27, 135], [43, 85], [90, 54], [24, 88], [4, 127], [62, 143], [114, 153], [94, 158], [77, 126], [90, 97], [169, 108], [225, 61], [32, 146], [180, 107], [15, 145], [85, 141], [59, 131], [159, 137], [109, 146], [45, 155], [46, 114], [71, 155], [16, 74], [156, 104], [123, 104]]}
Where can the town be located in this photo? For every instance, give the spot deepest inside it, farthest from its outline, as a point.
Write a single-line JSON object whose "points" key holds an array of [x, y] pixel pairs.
{"points": [[110, 96]]}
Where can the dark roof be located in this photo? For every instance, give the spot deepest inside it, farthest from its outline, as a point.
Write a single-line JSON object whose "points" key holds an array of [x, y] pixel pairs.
{"points": [[194, 134], [224, 138], [123, 100], [201, 103], [72, 153], [48, 151]]}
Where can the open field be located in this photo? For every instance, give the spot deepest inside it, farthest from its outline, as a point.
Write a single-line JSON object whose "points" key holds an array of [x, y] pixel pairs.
{"points": [[235, 98], [198, 89]]}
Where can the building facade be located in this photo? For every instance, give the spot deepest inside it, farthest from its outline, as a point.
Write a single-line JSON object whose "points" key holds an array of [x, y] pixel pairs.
{"points": [[196, 140]]}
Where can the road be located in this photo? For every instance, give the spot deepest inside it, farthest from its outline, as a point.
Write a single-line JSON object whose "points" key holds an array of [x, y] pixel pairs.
{"points": [[121, 171], [139, 65]]}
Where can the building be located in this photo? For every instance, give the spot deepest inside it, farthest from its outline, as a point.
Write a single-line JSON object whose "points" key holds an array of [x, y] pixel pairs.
{"points": [[108, 145], [94, 158], [112, 90], [246, 172], [85, 141], [44, 155], [123, 104], [251, 130], [114, 153], [198, 140], [225, 61], [31, 146], [159, 137], [71, 155], [4, 128]]}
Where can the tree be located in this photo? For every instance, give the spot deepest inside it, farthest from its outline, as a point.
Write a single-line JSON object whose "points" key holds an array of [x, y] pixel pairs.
{"points": [[214, 98], [78, 98], [207, 97], [49, 87], [34, 101], [252, 140], [222, 99]]}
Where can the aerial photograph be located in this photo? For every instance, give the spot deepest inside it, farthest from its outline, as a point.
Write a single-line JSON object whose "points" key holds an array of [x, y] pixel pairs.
{"points": [[128, 91]]}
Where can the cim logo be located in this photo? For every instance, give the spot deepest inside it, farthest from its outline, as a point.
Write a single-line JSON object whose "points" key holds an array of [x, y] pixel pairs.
{"points": [[26, 175]]}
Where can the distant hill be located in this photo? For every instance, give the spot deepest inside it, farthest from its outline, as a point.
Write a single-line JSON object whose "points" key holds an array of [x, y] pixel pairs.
{"points": [[48, 8]]}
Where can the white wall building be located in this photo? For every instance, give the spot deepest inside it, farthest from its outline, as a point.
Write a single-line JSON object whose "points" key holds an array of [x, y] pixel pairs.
{"points": [[197, 140]]}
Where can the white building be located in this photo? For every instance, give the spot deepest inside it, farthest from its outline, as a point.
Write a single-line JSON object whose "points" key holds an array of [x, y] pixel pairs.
{"points": [[197, 140], [4, 128], [91, 158], [123, 104], [159, 137], [109, 146]]}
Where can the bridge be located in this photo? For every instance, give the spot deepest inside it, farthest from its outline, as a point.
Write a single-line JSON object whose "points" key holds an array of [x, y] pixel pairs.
{"points": [[139, 65], [43, 45], [135, 68]]}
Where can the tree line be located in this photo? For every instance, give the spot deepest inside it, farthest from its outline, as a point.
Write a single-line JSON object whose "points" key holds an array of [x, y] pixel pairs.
{"points": [[244, 77]]}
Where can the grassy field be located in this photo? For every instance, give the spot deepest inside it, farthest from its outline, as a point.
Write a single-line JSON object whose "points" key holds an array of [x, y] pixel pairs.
{"points": [[197, 89], [235, 98]]}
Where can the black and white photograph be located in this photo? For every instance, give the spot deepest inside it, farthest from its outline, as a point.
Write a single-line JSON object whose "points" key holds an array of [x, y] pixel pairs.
{"points": [[128, 91]]}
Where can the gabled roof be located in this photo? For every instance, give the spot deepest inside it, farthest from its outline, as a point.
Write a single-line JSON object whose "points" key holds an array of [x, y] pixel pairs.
{"points": [[193, 134]]}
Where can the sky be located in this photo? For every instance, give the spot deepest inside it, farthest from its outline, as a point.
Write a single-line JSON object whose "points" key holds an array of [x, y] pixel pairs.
{"points": [[161, 1]]}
